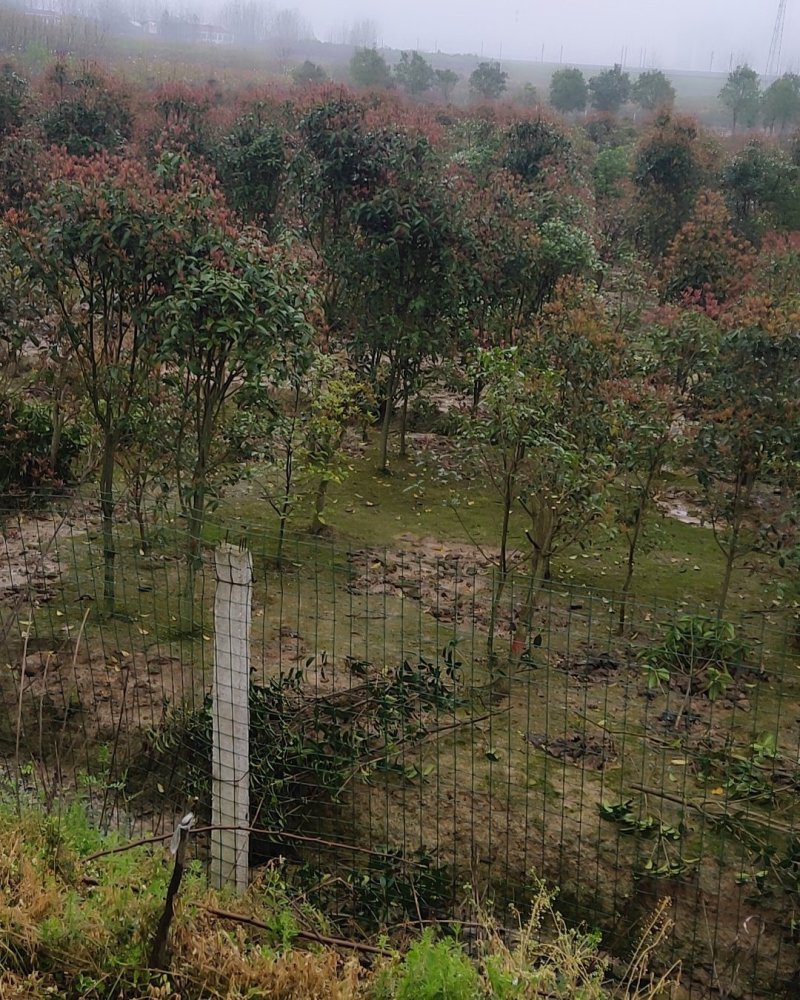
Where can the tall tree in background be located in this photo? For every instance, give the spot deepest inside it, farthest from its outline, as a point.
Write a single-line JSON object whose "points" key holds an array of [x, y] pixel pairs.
{"points": [[652, 90], [414, 73], [780, 105], [446, 80], [610, 89], [742, 96], [569, 90], [368, 68], [488, 81]]}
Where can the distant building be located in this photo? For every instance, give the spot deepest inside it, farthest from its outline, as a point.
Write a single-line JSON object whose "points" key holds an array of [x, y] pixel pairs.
{"points": [[49, 11], [212, 34]]}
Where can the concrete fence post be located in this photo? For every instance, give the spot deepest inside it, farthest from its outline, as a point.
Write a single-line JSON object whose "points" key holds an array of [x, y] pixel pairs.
{"points": [[231, 714]]}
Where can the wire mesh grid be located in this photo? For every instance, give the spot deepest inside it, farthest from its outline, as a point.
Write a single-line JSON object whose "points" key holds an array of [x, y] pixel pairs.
{"points": [[391, 743]]}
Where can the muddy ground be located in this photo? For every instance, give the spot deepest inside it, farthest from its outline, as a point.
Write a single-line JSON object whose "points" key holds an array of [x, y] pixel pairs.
{"points": [[566, 729]]}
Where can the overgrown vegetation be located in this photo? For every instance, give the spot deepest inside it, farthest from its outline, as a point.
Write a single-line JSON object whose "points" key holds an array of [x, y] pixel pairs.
{"points": [[78, 911]]}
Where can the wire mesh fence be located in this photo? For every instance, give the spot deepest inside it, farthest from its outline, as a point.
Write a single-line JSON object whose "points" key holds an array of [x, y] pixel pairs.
{"points": [[417, 724]]}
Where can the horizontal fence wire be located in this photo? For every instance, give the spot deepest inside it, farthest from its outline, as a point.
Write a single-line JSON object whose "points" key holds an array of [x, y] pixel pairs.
{"points": [[419, 724]]}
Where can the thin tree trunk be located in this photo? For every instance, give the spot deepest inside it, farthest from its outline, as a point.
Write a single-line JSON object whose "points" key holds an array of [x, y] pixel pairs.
{"points": [[318, 524], [107, 514], [283, 512], [58, 427], [508, 489], [138, 510], [730, 556], [633, 542], [404, 418], [732, 549], [196, 516], [387, 419]]}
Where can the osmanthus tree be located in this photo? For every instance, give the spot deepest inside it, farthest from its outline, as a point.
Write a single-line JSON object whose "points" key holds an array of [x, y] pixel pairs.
{"points": [[102, 244], [747, 418], [228, 331]]}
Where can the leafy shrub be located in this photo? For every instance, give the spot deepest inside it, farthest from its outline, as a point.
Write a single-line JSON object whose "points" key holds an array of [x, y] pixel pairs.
{"points": [[303, 745], [437, 970], [392, 888], [706, 652], [26, 429]]}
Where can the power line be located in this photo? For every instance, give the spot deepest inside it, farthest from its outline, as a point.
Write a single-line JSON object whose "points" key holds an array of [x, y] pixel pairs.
{"points": [[774, 59]]}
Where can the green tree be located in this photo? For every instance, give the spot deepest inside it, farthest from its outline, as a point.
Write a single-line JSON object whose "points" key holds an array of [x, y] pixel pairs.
{"points": [[672, 163], [742, 96], [447, 80], [642, 414], [13, 89], [95, 115], [610, 89], [369, 69], [488, 81], [403, 279], [414, 73], [746, 419], [336, 396], [233, 320], [652, 90], [102, 244], [569, 90], [780, 104], [251, 166], [341, 163], [307, 73], [762, 188]]}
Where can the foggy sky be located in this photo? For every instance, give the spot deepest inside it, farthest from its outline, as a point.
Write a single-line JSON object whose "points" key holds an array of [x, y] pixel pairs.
{"points": [[670, 34]]}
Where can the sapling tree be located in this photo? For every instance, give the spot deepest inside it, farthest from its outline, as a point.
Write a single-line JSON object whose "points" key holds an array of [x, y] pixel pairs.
{"points": [[521, 439], [642, 413], [403, 277], [497, 438], [336, 396], [746, 419], [320, 401], [229, 326], [101, 244]]}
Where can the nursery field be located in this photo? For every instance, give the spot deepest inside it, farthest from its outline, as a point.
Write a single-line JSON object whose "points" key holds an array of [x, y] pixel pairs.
{"points": [[502, 410]]}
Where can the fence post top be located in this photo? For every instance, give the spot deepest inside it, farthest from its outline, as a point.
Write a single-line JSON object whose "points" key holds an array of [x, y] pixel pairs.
{"points": [[233, 564]]}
